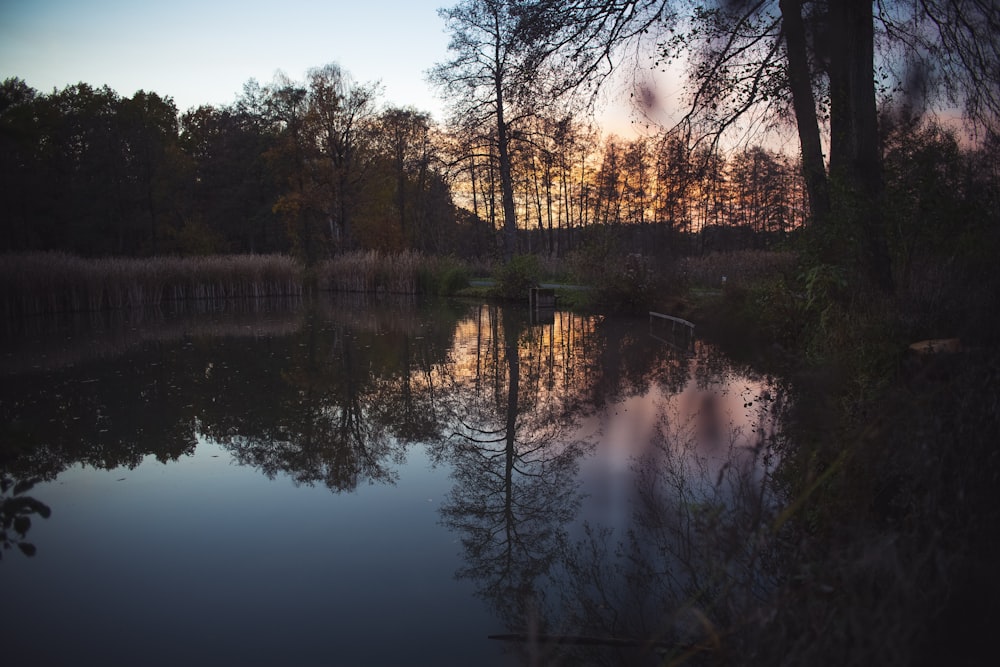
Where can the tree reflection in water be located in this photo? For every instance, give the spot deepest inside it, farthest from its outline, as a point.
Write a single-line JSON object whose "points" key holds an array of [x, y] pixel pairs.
{"points": [[691, 565], [514, 466], [357, 391], [606, 486], [685, 559], [325, 435]]}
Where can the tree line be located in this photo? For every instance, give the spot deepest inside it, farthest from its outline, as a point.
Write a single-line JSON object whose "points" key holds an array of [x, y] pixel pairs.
{"points": [[569, 185], [318, 167], [312, 168], [826, 69]]}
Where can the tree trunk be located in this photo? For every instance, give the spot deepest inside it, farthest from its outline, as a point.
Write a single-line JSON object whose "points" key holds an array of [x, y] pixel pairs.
{"points": [[855, 156], [800, 81], [506, 181]]}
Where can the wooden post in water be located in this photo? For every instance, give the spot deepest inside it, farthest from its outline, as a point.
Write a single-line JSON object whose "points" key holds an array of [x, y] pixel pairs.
{"points": [[541, 297], [542, 304]]}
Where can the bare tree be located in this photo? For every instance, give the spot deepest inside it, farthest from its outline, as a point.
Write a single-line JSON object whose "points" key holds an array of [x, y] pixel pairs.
{"points": [[814, 61], [486, 83]]}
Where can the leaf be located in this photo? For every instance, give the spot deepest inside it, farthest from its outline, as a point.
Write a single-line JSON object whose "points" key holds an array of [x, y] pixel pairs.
{"points": [[24, 485], [26, 548], [22, 524], [36, 506]]}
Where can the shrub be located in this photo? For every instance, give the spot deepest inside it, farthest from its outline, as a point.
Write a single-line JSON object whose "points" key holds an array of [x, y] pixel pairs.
{"points": [[739, 268], [516, 277], [443, 276], [630, 284], [453, 277]]}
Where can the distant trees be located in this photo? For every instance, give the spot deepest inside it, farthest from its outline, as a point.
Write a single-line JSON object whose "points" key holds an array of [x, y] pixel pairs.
{"points": [[418, 196], [814, 62], [232, 189], [317, 167], [653, 194], [86, 168], [313, 168]]}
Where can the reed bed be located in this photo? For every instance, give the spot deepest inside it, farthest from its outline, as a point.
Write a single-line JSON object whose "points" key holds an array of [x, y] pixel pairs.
{"points": [[371, 272], [50, 283], [58, 283], [408, 272]]}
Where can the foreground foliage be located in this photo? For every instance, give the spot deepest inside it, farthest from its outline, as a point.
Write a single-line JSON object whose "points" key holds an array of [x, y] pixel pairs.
{"points": [[886, 545]]}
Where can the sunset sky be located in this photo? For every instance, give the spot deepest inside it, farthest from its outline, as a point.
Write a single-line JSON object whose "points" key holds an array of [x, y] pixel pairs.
{"points": [[203, 51]]}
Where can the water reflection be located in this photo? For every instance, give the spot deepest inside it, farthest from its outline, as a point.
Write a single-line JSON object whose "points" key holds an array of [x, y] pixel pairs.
{"points": [[16, 513], [609, 492], [686, 562], [612, 495], [513, 459], [327, 393]]}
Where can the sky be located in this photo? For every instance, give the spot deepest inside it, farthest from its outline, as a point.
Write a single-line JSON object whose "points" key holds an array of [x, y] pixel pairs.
{"points": [[203, 51]]}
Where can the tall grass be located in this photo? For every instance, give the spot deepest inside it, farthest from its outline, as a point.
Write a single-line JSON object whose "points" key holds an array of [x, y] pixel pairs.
{"points": [[56, 283], [408, 272], [48, 283], [370, 272]]}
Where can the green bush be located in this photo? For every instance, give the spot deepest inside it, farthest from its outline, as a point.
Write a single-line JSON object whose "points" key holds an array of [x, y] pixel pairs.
{"points": [[588, 264], [630, 284], [444, 277], [516, 277]]}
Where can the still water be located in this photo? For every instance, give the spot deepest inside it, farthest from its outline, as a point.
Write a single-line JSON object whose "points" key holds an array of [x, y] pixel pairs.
{"points": [[377, 483]]}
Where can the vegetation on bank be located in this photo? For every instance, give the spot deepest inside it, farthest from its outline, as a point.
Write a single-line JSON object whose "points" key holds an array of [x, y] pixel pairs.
{"points": [[49, 283], [889, 465], [52, 283]]}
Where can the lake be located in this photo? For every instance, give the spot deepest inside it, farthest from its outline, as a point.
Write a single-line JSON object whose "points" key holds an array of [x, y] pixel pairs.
{"points": [[352, 481]]}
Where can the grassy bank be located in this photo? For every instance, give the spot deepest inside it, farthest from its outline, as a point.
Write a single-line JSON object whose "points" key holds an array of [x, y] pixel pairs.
{"points": [[408, 272]]}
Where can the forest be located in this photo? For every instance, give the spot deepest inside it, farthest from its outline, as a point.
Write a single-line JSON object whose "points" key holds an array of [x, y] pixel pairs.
{"points": [[294, 168], [321, 167]]}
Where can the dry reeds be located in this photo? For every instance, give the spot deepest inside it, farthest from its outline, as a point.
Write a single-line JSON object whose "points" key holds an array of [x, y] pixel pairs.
{"points": [[48, 283], [372, 272], [53, 283]]}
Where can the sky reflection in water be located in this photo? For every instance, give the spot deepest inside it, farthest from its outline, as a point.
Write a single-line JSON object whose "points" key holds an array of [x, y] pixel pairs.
{"points": [[350, 483]]}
